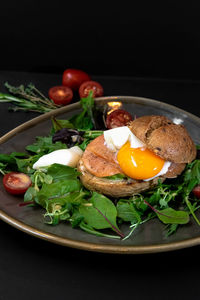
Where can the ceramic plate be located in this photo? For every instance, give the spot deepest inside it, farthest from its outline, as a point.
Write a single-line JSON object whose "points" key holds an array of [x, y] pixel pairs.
{"points": [[147, 238]]}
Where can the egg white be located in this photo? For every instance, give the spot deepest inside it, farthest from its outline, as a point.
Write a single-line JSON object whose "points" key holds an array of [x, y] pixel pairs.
{"points": [[162, 171], [115, 138], [68, 157]]}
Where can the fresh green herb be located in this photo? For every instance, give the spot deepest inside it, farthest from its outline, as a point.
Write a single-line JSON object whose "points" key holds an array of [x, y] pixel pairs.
{"points": [[127, 212], [16, 161], [27, 99], [85, 120], [44, 145], [60, 124]]}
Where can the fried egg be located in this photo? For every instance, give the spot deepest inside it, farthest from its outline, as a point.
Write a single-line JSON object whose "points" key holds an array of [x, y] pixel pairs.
{"points": [[135, 160]]}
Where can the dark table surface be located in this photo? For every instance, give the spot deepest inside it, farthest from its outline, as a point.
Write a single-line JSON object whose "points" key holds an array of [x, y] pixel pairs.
{"points": [[31, 268]]}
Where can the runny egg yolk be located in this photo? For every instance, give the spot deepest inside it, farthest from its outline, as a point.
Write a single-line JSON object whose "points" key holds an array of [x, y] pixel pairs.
{"points": [[139, 163]]}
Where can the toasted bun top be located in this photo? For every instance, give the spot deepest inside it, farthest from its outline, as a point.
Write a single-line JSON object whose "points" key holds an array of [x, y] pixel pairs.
{"points": [[168, 140]]}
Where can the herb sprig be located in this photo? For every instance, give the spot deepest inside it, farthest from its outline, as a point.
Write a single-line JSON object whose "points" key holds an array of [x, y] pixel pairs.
{"points": [[27, 98]]}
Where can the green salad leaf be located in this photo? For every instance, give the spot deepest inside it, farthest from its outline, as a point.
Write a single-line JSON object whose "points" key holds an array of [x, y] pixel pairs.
{"points": [[100, 213], [44, 145], [85, 119], [60, 172], [58, 124], [172, 216], [127, 212]]}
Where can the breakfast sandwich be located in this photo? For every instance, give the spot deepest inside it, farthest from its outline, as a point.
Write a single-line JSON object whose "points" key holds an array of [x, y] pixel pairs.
{"points": [[130, 159]]}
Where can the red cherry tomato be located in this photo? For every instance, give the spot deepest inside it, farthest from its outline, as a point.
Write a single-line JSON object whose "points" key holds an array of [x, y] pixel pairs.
{"points": [[73, 78], [16, 183], [117, 118], [88, 86], [61, 95], [196, 191]]}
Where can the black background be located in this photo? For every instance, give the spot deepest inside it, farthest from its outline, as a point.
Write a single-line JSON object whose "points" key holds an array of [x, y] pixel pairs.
{"points": [[142, 48], [130, 38]]}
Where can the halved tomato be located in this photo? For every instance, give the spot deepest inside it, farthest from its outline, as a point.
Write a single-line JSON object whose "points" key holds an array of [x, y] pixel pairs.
{"points": [[16, 183], [61, 95], [88, 86], [117, 118]]}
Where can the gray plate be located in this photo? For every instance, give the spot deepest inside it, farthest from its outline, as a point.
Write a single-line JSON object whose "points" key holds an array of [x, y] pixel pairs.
{"points": [[148, 238]]}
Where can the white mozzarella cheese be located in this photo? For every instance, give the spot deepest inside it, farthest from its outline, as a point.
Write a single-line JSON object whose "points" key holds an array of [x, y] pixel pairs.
{"points": [[68, 157]]}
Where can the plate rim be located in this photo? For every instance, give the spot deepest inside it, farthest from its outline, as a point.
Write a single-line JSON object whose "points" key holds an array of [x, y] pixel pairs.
{"points": [[88, 246]]}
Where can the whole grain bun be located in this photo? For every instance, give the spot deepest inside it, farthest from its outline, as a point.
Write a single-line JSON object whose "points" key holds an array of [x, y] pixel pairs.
{"points": [[168, 140]]}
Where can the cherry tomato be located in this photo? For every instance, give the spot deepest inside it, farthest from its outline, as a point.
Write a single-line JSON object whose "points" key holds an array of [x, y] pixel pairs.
{"points": [[73, 78], [61, 95], [88, 86], [117, 118], [196, 191], [16, 183]]}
